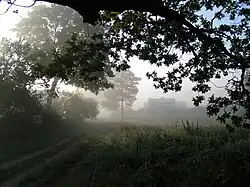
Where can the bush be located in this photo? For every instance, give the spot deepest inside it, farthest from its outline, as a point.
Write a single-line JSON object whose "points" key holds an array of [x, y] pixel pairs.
{"points": [[76, 107]]}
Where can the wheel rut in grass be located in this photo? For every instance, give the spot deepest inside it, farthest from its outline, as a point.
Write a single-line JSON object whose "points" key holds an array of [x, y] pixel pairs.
{"points": [[13, 173]]}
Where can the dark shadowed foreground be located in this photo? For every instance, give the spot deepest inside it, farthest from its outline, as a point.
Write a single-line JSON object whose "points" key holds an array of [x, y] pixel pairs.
{"points": [[152, 156]]}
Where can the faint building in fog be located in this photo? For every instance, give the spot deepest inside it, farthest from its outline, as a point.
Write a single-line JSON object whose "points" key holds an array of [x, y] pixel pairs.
{"points": [[164, 104]]}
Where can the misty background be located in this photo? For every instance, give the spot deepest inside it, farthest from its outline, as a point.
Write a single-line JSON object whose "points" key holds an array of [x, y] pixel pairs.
{"points": [[69, 118], [140, 68]]}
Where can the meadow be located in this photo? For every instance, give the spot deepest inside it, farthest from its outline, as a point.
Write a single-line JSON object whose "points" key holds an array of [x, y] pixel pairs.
{"points": [[152, 156]]}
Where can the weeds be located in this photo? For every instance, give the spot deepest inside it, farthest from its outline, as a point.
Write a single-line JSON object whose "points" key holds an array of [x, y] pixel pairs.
{"points": [[162, 156]]}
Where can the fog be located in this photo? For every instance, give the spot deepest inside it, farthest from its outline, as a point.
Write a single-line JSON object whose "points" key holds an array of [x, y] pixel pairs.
{"points": [[148, 91], [140, 68], [145, 86], [70, 118]]}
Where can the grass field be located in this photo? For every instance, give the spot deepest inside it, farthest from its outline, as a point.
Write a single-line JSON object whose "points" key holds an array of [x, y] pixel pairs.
{"points": [[157, 156]]}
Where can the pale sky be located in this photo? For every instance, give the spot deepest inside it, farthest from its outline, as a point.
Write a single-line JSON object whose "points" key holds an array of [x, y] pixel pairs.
{"points": [[140, 68]]}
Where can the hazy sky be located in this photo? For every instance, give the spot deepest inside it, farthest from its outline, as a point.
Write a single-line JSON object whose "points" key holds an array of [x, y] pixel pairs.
{"points": [[140, 68]]}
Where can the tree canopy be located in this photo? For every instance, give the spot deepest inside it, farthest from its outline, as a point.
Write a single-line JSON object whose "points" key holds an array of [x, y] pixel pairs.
{"points": [[68, 55], [17, 59], [91, 14], [218, 46], [162, 31]]}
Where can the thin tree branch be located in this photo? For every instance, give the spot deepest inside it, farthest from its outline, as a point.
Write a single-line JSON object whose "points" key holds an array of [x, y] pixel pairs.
{"points": [[215, 16], [11, 4], [24, 6], [218, 86]]}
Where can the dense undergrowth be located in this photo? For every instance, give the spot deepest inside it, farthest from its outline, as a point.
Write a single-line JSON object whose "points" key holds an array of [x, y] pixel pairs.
{"points": [[163, 156]]}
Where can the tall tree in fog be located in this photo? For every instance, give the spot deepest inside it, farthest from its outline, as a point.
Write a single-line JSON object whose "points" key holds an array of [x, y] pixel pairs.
{"points": [[59, 31], [124, 92]]}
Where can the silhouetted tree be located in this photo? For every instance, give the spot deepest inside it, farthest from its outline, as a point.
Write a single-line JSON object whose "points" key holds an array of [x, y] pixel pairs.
{"points": [[123, 93], [59, 31], [91, 13], [217, 44], [17, 59]]}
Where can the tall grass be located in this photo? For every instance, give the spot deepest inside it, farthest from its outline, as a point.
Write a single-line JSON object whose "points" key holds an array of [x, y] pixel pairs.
{"points": [[163, 156]]}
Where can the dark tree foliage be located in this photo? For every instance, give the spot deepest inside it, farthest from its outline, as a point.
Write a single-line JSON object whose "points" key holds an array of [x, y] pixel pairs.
{"points": [[91, 14], [150, 30], [79, 63], [15, 101], [216, 49], [17, 60], [70, 56]]}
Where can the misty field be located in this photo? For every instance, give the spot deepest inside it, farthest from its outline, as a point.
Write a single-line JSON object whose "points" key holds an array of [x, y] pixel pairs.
{"points": [[155, 156]]}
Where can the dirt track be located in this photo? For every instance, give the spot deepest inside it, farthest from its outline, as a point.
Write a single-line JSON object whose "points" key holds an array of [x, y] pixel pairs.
{"points": [[15, 171]]}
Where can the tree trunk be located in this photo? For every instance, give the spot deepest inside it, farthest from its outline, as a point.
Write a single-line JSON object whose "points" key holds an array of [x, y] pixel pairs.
{"points": [[122, 101], [122, 110], [51, 92]]}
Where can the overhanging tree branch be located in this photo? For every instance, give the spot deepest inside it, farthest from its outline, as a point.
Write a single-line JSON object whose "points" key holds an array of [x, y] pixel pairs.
{"points": [[8, 7], [91, 15]]}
